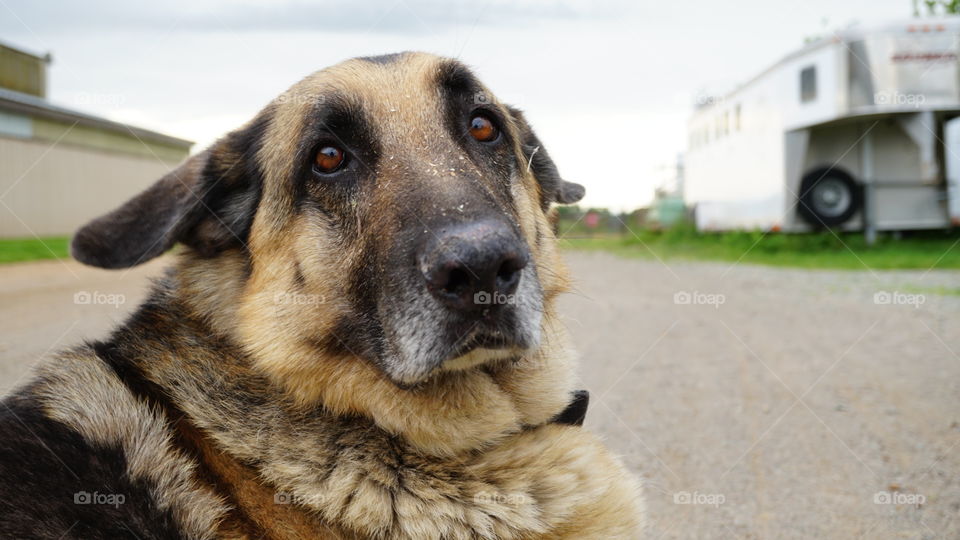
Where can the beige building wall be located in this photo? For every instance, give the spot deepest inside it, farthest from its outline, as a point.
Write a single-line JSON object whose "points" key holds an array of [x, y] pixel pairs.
{"points": [[49, 189]]}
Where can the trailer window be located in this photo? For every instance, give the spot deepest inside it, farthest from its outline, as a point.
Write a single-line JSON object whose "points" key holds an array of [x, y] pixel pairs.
{"points": [[808, 84]]}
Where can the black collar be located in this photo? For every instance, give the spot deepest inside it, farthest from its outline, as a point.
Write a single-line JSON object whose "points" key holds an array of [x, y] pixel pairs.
{"points": [[576, 411]]}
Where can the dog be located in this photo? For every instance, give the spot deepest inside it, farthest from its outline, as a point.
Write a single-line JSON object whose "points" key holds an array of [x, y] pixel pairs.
{"points": [[358, 338]]}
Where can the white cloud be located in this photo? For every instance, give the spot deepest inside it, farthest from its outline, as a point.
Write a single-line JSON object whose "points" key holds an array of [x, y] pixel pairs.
{"points": [[608, 86]]}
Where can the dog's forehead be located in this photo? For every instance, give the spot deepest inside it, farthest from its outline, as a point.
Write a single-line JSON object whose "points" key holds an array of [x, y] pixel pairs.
{"points": [[401, 103], [383, 84], [399, 96]]}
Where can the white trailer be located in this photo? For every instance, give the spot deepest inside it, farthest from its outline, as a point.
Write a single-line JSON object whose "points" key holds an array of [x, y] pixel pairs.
{"points": [[860, 130]]}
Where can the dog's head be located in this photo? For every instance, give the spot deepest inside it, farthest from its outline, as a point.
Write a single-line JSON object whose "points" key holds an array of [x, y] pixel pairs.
{"points": [[387, 208]]}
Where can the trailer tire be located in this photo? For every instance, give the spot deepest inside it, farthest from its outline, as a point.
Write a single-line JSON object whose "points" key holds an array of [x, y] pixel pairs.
{"points": [[829, 197]]}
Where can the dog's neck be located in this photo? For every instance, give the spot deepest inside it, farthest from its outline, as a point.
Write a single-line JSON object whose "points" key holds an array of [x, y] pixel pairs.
{"points": [[451, 413], [303, 451]]}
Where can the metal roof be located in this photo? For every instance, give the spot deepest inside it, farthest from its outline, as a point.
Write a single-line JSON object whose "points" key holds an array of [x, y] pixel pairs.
{"points": [[915, 25], [19, 102]]}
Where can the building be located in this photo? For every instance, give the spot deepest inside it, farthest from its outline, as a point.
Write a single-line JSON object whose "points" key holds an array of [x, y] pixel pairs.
{"points": [[59, 167]]}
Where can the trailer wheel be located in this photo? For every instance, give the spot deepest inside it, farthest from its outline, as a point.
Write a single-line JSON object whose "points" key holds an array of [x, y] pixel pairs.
{"points": [[829, 197]]}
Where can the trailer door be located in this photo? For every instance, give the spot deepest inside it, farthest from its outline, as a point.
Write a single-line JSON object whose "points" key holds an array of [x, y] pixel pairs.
{"points": [[951, 151]]}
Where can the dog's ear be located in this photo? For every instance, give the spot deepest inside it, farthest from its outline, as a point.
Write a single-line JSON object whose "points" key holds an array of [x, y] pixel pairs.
{"points": [[552, 186], [207, 203]]}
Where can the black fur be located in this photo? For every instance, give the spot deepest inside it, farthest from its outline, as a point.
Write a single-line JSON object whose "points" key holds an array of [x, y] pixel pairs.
{"points": [[232, 184], [576, 411], [552, 186], [207, 203], [463, 95], [340, 121], [46, 467]]}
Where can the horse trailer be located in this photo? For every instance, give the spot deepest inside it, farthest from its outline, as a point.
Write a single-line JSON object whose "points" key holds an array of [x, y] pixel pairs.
{"points": [[858, 131]]}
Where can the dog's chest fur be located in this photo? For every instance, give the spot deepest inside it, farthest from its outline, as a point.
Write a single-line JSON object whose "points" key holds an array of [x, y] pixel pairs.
{"points": [[247, 463]]}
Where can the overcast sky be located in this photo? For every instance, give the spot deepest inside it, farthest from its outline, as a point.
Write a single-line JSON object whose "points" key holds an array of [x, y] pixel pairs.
{"points": [[608, 85]]}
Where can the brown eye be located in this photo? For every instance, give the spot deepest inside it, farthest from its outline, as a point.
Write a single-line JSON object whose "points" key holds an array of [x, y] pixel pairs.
{"points": [[483, 129], [328, 159]]}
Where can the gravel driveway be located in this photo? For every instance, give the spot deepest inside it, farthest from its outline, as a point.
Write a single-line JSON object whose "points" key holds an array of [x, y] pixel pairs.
{"points": [[755, 402]]}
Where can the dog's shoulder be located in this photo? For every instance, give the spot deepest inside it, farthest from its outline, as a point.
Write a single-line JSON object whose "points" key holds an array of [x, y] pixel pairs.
{"points": [[81, 457]]}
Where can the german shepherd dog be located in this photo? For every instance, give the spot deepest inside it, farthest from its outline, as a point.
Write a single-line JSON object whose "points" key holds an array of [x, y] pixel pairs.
{"points": [[358, 338]]}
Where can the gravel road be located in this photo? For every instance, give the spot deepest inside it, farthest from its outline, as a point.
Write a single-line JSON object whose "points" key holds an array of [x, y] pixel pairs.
{"points": [[755, 402]]}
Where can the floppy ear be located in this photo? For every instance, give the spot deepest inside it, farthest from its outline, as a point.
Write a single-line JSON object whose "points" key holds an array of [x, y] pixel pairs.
{"points": [[206, 203], [552, 186]]}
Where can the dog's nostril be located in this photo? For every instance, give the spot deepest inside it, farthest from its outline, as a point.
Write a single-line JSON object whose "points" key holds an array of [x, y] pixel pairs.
{"points": [[457, 281], [508, 275], [507, 271]]}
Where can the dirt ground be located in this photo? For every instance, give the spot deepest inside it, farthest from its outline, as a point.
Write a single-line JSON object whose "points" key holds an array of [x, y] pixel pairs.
{"points": [[754, 402]]}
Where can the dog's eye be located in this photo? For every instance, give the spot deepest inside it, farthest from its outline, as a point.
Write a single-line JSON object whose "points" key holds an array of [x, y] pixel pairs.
{"points": [[482, 129], [329, 159]]}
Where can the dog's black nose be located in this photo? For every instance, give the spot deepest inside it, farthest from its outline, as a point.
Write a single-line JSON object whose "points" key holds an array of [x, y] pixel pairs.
{"points": [[474, 266]]}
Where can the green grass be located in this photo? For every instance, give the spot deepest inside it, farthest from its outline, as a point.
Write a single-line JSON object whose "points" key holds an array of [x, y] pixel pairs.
{"points": [[922, 251], [32, 249]]}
